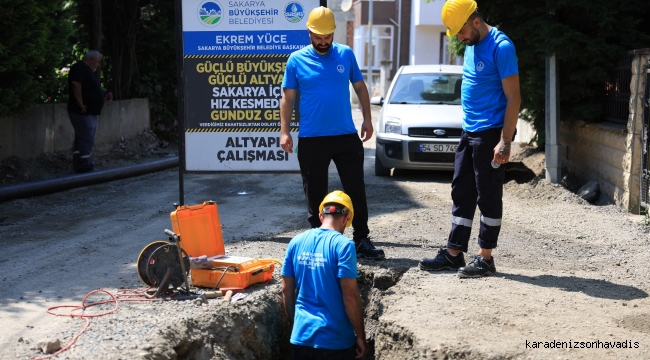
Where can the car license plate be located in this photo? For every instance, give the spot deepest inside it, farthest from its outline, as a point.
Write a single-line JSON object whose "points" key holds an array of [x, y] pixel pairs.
{"points": [[444, 148]]}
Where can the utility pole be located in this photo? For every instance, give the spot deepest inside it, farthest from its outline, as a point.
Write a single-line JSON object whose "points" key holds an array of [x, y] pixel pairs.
{"points": [[553, 161]]}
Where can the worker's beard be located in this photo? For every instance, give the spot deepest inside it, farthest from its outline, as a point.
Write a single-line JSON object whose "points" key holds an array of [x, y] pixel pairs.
{"points": [[474, 37], [321, 48]]}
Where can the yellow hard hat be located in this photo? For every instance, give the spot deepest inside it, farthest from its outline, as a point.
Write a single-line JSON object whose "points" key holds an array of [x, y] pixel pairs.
{"points": [[455, 13], [341, 198], [321, 21]]}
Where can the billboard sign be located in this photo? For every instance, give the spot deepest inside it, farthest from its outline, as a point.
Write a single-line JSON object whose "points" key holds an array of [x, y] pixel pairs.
{"points": [[234, 56]]}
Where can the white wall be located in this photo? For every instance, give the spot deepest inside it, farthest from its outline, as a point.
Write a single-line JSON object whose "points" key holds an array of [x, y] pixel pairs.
{"points": [[341, 19], [525, 132], [427, 14], [46, 128], [425, 44], [426, 26]]}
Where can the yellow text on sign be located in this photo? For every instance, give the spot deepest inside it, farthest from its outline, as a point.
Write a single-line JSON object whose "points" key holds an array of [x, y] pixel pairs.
{"points": [[272, 115]]}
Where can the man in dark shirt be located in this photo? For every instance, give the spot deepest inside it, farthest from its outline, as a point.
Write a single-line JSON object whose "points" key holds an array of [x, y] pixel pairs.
{"points": [[85, 102]]}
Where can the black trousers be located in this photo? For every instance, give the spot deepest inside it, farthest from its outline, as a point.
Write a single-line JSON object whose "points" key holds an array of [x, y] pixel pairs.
{"points": [[314, 157], [476, 183], [310, 353]]}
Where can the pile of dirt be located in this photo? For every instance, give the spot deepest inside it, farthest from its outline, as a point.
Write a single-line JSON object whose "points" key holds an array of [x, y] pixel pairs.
{"points": [[530, 156], [526, 179], [143, 147]]}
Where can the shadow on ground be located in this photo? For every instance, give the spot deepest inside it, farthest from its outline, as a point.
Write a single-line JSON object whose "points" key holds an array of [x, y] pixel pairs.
{"points": [[595, 288], [403, 264], [440, 176], [519, 173], [515, 171]]}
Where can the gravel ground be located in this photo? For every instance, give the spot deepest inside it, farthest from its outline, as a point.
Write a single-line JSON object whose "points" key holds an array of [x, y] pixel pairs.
{"points": [[568, 271]]}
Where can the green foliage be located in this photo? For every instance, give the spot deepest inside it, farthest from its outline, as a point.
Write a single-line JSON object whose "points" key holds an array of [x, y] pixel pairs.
{"points": [[73, 51], [33, 35], [154, 69], [57, 90], [155, 74], [41, 39], [456, 47], [588, 37]]}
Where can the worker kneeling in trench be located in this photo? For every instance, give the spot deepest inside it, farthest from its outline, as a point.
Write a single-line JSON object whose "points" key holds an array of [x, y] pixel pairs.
{"points": [[321, 264]]}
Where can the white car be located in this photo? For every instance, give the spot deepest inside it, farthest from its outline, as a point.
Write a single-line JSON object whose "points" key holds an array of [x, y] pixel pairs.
{"points": [[421, 121]]}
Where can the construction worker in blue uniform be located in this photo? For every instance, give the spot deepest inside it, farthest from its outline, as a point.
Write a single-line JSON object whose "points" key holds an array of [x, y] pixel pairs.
{"points": [[490, 99], [321, 74], [319, 287]]}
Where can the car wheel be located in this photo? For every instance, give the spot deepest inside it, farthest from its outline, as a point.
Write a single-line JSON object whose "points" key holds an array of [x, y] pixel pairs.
{"points": [[380, 169]]}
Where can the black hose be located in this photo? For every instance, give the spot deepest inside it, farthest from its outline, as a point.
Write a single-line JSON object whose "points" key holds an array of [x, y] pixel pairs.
{"points": [[95, 177]]}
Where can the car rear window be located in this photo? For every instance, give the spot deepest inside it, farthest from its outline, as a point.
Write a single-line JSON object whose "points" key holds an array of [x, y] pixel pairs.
{"points": [[427, 89]]}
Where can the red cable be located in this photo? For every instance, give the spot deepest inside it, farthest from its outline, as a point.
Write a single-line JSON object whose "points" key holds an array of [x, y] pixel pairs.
{"points": [[127, 294]]}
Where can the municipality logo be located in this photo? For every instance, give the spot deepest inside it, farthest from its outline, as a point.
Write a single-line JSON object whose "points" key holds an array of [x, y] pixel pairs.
{"points": [[294, 12], [340, 68], [210, 13], [480, 66]]}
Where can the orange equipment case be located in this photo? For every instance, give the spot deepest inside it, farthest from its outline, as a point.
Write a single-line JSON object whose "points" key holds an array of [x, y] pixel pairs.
{"points": [[199, 230], [233, 271]]}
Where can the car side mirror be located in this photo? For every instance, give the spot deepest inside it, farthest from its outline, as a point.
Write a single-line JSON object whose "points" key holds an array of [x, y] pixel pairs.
{"points": [[377, 100]]}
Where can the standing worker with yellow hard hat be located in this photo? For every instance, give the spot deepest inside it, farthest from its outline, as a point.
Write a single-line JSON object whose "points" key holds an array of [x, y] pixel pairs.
{"points": [[490, 99], [319, 287], [321, 75]]}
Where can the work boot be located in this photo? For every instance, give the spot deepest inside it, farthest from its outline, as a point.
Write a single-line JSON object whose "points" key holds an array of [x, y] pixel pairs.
{"points": [[480, 266], [365, 249], [443, 261]]}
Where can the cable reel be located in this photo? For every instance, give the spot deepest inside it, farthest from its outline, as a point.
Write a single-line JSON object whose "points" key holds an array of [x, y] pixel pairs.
{"points": [[159, 265]]}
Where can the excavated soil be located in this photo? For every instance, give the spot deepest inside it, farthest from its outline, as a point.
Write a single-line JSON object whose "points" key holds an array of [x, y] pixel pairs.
{"points": [[570, 284]]}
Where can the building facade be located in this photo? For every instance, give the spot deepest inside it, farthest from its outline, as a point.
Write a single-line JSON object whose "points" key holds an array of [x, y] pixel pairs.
{"points": [[402, 32], [428, 40]]}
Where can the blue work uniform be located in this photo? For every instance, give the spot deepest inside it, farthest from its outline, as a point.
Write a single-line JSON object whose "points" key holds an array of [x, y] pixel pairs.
{"points": [[317, 259], [475, 181], [327, 131]]}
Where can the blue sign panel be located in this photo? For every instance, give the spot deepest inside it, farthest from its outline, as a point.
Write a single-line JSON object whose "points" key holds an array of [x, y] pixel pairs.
{"points": [[244, 42]]}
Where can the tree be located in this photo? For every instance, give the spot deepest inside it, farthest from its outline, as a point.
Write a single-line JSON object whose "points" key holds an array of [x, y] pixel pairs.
{"points": [[33, 36], [137, 38], [139, 43], [155, 71], [120, 29], [588, 37]]}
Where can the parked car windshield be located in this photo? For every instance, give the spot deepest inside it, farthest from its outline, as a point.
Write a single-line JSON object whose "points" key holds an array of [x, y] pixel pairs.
{"points": [[427, 89]]}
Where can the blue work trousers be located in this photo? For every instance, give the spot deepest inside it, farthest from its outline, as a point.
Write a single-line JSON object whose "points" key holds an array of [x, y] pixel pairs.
{"points": [[314, 157], [85, 127], [476, 182]]}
